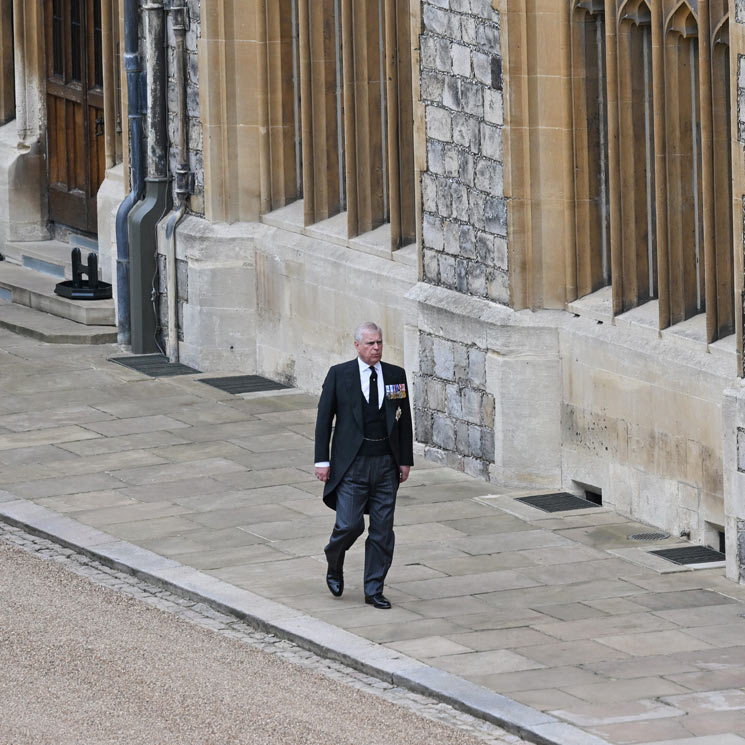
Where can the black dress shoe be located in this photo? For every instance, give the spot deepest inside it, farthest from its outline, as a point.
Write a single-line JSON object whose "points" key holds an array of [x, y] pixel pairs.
{"points": [[335, 583], [378, 601]]}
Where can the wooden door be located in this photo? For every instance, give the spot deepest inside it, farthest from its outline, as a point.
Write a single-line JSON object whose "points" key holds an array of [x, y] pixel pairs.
{"points": [[75, 142]]}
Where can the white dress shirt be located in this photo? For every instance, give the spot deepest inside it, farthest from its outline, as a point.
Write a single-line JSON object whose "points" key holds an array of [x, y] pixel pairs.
{"points": [[365, 374]]}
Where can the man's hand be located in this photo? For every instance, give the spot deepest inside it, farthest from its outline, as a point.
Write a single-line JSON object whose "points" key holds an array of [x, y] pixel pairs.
{"points": [[403, 472], [322, 473]]}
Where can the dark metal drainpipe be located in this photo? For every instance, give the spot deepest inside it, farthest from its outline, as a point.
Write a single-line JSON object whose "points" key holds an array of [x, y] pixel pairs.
{"points": [[135, 108], [144, 218]]}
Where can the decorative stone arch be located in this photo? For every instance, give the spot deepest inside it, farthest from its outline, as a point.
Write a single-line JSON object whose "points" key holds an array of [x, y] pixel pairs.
{"points": [[722, 175], [683, 20], [720, 32], [636, 90], [593, 7], [590, 140], [636, 11], [684, 115]]}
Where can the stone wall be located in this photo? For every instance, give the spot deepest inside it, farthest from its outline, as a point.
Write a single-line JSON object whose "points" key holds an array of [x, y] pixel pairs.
{"points": [[734, 400], [195, 203], [454, 414], [642, 422], [465, 214], [193, 33], [464, 223], [282, 304]]}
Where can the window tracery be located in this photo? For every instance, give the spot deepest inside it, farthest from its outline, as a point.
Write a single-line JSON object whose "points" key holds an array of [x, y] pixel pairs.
{"points": [[665, 88]]}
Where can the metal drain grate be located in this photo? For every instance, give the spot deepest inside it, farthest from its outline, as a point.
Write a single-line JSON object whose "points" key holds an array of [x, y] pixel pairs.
{"points": [[648, 537], [154, 365], [244, 384], [558, 502], [690, 555]]}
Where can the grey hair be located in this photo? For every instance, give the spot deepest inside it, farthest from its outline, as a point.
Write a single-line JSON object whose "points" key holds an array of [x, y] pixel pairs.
{"points": [[367, 327]]}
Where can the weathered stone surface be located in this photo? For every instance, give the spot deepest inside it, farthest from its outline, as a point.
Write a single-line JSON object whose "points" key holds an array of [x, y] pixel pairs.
{"points": [[430, 266], [476, 368], [461, 56], [426, 355], [439, 124], [444, 359], [740, 11], [472, 98], [434, 390], [432, 86], [491, 141], [487, 37], [489, 177], [447, 270], [466, 132], [451, 98], [436, 157], [477, 279], [432, 232], [439, 21], [460, 356], [472, 405], [465, 213], [493, 107], [482, 67], [454, 408], [443, 432]]}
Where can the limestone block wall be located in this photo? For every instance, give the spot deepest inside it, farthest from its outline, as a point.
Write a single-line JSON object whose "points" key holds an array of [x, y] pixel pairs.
{"points": [[487, 388], [642, 423], [311, 294], [454, 411], [464, 224], [464, 210], [264, 300]]}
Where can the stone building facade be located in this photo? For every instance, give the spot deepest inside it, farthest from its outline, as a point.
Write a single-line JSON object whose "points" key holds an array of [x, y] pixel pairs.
{"points": [[541, 203]]}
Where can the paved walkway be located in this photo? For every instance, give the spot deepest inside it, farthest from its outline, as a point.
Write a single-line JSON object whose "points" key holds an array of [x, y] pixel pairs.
{"points": [[188, 675], [561, 613]]}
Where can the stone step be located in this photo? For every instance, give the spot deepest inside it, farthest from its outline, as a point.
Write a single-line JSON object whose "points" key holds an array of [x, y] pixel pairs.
{"points": [[48, 257], [36, 290], [51, 329]]}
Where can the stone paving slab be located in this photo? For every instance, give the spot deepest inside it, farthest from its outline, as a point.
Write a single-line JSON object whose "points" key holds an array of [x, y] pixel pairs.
{"points": [[545, 618]]}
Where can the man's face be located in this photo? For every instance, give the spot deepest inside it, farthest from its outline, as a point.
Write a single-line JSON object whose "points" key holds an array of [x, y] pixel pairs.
{"points": [[370, 349]]}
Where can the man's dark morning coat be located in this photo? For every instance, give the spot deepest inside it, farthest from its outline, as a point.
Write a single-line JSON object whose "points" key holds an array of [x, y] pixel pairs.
{"points": [[342, 398]]}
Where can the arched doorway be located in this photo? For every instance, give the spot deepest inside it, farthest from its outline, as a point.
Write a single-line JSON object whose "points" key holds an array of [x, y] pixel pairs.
{"points": [[76, 159]]}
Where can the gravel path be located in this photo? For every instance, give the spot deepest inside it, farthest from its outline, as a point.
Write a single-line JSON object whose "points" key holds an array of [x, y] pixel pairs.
{"points": [[85, 663]]}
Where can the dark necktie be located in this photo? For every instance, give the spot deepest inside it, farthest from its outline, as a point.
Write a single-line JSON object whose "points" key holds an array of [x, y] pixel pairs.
{"points": [[374, 403]]}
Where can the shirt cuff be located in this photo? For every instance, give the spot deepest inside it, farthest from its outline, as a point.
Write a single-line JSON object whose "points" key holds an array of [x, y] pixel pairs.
{"points": [[322, 464]]}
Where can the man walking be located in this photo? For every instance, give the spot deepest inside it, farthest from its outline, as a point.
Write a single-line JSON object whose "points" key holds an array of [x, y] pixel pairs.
{"points": [[371, 455]]}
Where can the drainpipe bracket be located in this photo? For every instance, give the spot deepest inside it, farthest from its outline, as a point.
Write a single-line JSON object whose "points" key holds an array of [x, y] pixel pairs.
{"points": [[184, 182]]}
